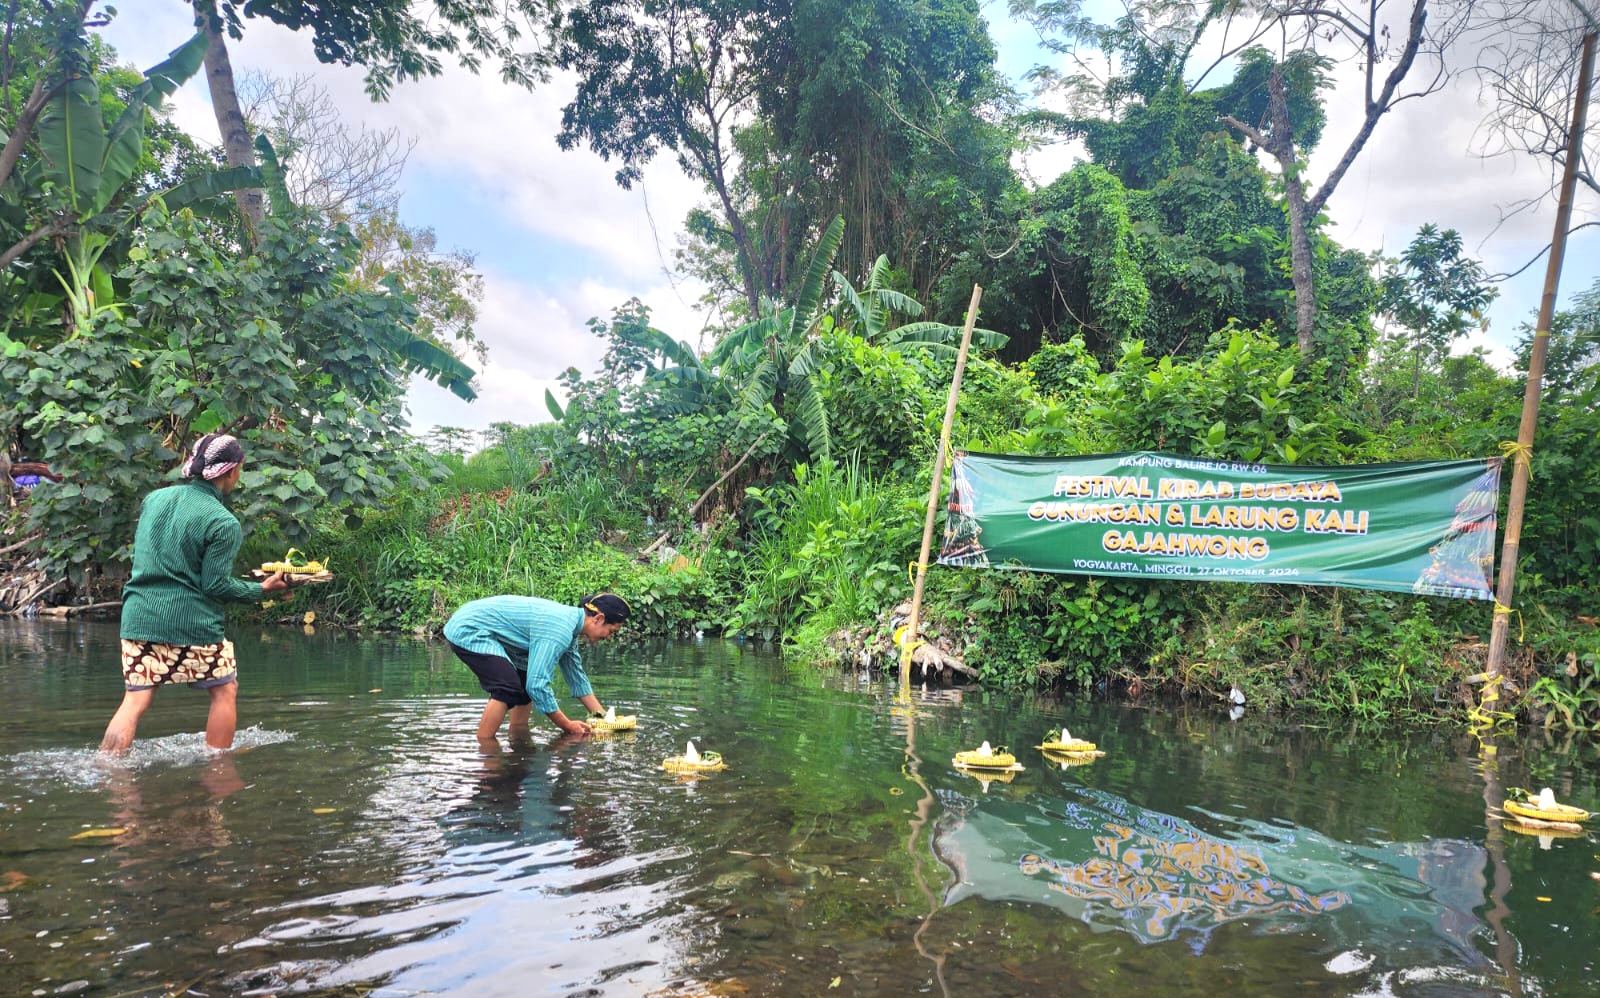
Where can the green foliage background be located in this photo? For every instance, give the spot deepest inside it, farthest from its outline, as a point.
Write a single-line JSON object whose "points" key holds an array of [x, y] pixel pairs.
{"points": [[858, 162]]}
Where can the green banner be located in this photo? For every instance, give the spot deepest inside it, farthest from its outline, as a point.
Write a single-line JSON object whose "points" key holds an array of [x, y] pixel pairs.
{"points": [[1420, 527]]}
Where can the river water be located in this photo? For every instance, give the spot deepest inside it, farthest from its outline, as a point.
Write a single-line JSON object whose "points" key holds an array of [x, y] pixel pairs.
{"points": [[356, 842]]}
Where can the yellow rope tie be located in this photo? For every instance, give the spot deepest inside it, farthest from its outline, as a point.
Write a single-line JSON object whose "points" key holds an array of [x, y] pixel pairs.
{"points": [[908, 643], [1521, 452], [1522, 625], [1479, 715]]}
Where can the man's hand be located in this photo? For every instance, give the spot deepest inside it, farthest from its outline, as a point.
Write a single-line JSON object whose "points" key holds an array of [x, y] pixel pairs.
{"points": [[274, 583], [576, 728]]}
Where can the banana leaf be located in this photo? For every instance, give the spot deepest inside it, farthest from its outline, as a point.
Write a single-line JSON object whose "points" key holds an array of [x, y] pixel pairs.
{"points": [[72, 137], [209, 185], [805, 303], [125, 144]]}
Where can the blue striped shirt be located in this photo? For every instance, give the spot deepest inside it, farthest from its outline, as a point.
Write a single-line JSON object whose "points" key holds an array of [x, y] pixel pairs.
{"points": [[534, 634]]}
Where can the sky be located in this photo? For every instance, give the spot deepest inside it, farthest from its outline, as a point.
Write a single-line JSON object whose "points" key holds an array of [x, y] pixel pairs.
{"points": [[558, 242]]}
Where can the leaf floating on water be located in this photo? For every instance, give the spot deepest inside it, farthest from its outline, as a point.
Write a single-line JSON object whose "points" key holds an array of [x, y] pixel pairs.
{"points": [[835, 982], [1542, 899], [896, 791], [310, 617], [378, 690], [11, 880], [323, 810], [100, 833]]}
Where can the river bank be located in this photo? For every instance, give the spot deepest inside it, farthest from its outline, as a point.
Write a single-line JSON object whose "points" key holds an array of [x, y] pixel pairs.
{"points": [[819, 566]]}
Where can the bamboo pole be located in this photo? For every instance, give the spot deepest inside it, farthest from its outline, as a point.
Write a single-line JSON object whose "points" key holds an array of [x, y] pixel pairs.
{"points": [[1530, 400], [909, 638]]}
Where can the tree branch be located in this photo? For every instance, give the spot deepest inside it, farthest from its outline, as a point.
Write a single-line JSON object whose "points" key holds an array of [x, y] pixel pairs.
{"points": [[23, 129], [1498, 278], [725, 476], [1250, 133], [31, 240], [1419, 19]]}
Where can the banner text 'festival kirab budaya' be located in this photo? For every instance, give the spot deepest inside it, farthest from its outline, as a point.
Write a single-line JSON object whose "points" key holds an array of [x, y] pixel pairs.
{"points": [[1416, 527]]}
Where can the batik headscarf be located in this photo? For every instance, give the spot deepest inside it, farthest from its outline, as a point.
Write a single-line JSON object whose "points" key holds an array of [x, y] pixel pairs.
{"points": [[609, 605], [214, 455]]}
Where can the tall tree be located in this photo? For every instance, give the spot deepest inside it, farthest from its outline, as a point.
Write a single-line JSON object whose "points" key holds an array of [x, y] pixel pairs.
{"points": [[672, 75], [1437, 293], [394, 40], [329, 166], [1383, 40], [236, 145], [1360, 34], [883, 112]]}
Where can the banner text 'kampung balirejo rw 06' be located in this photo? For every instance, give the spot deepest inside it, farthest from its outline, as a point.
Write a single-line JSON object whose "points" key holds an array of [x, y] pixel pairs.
{"points": [[1417, 527]]}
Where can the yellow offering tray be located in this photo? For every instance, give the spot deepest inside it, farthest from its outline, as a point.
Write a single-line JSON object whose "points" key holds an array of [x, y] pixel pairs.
{"points": [[298, 578], [1076, 746], [988, 776], [1548, 830], [616, 722], [296, 571], [984, 757], [1546, 811], [692, 762]]}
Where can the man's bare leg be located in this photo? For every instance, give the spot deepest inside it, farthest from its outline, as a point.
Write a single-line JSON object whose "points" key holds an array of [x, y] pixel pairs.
{"points": [[521, 737], [494, 712], [223, 717], [119, 733]]}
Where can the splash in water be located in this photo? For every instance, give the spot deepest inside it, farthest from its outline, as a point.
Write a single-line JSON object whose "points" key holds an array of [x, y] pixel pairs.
{"points": [[87, 768]]}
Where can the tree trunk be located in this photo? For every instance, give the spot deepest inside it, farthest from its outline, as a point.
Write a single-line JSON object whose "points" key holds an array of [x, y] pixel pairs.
{"points": [[1301, 263], [743, 251], [236, 145], [22, 130], [1301, 260]]}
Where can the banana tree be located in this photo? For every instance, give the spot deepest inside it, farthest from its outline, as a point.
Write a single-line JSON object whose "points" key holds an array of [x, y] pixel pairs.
{"points": [[774, 357], [870, 314], [84, 167]]}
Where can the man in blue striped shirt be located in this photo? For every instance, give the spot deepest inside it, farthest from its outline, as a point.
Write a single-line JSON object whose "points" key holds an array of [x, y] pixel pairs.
{"points": [[513, 644]]}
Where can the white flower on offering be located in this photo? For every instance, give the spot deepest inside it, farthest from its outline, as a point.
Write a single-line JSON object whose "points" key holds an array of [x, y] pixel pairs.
{"points": [[611, 715], [1547, 800], [984, 749], [1066, 737], [691, 754]]}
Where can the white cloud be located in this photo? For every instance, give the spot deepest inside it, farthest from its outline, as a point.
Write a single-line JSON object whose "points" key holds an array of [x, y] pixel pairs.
{"points": [[535, 335], [500, 141]]}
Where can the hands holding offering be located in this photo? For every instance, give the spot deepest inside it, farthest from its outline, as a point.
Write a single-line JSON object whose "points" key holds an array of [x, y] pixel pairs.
{"points": [[290, 572]]}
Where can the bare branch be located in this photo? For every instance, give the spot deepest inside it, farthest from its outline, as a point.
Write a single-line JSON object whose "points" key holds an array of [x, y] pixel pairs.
{"points": [[1250, 133], [327, 166], [1408, 55], [31, 240], [1499, 278]]}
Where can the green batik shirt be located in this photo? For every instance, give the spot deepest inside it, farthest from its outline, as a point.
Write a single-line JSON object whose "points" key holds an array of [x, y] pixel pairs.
{"points": [[182, 575]]}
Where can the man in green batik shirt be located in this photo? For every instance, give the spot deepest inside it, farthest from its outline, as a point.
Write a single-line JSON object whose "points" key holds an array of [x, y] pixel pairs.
{"points": [[172, 606]]}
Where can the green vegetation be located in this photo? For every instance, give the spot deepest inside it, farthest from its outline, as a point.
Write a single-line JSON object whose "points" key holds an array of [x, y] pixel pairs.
{"points": [[1174, 293]]}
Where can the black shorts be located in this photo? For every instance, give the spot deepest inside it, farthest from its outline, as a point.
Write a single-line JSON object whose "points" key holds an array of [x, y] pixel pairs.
{"points": [[498, 677]]}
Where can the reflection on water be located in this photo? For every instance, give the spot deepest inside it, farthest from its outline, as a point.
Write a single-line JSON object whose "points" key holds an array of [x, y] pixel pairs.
{"points": [[360, 841], [1117, 867]]}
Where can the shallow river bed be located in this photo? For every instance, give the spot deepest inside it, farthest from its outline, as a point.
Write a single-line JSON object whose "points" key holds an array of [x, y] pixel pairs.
{"points": [[357, 842]]}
